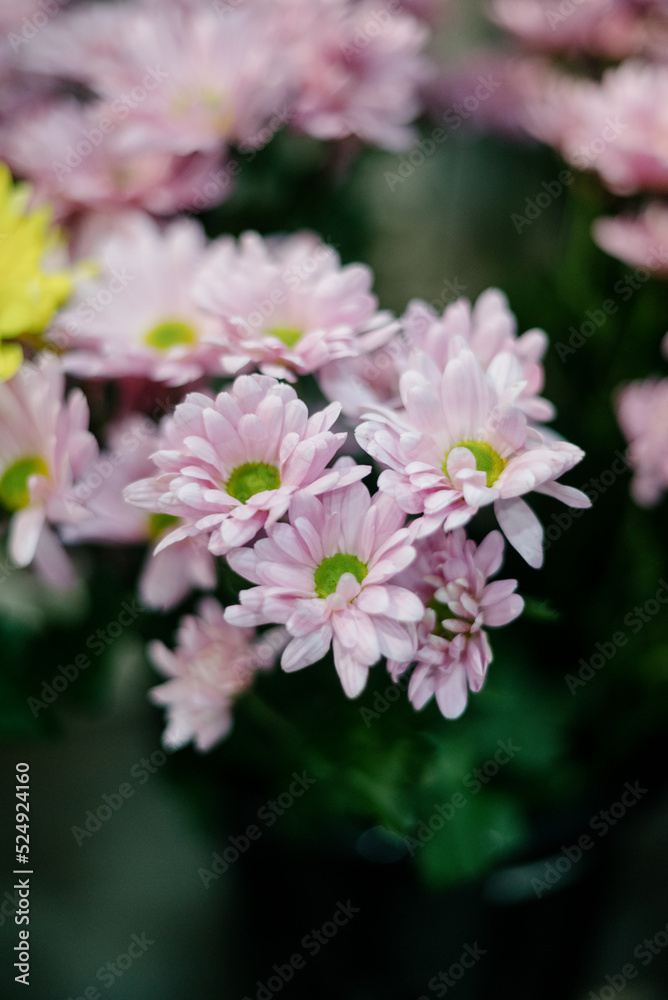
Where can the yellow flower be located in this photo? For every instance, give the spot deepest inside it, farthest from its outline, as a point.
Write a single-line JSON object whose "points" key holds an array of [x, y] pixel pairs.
{"points": [[29, 292]]}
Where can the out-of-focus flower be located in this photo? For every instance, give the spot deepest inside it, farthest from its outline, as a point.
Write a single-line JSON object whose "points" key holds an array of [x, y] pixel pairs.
{"points": [[44, 447], [233, 465], [642, 412], [367, 379], [462, 443], [325, 576], [640, 240], [285, 305], [166, 578], [212, 665], [488, 328], [136, 316], [31, 285], [451, 578]]}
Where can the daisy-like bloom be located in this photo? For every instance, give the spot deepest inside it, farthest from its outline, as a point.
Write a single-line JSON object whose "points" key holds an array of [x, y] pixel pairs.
{"points": [[212, 665], [285, 305], [31, 285], [461, 443], [640, 240], [166, 578], [44, 447], [233, 465], [325, 577], [489, 329], [136, 315], [642, 412], [453, 649]]}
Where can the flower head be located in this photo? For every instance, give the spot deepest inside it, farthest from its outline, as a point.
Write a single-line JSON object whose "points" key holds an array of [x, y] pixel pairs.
{"points": [[325, 576], [232, 465], [453, 649], [642, 412]]}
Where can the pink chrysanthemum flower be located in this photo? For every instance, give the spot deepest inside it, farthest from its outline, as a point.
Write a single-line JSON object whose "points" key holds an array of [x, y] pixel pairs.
{"points": [[325, 576], [286, 306], [166, 578], [212, 665], [489, 328], [44, 447], [233, 465], [462, 443], [136, 315], [451, 578], [640, 240], [642, 412]]}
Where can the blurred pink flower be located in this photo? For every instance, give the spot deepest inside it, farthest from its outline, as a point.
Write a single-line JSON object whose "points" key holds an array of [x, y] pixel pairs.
{"points": [[640, 240], [451, 578], [642, 412], [212, 665], [44, 447], [233, 465], [136, 315], [325, 576], [165, 578], [367, 379], [285, 305], [462, 443]]}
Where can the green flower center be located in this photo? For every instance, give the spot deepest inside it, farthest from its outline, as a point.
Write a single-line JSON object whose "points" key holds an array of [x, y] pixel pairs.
{"points": [[330, 571], [158, 523], [252, 478], [169, 333], [14, 493], [287, 334], [486, 459]]}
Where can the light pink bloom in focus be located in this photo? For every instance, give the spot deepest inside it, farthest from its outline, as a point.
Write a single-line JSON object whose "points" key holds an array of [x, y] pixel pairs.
{"points": [[462, 443], [285, 305], [45, 446], [640, 240], [233, 465], [451, 578], [325, 576], [212, 665], [642, 412], [136, 315]]}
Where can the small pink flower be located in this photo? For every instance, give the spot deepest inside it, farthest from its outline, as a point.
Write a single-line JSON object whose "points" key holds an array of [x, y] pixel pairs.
{"points": [[453, 649], [640, 240], [325, 576], [44, 447], [233, 465], [462, 443], [212, 665], [286, 306], [642, 412], [136, 315]]}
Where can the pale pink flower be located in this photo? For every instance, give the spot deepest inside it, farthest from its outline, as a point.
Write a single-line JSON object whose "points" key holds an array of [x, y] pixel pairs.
{"points": [[640, 240], [642, 412], [285, 305], [325, 576], [367, 379], [451, 578], [213, 664], [167, 577], [44, 447], [136, 314], [489, 328], [462, 443], [233, 465]]}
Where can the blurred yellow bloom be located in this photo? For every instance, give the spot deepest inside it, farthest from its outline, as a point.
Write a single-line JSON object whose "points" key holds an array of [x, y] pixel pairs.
{"points": [[29, 292]]}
